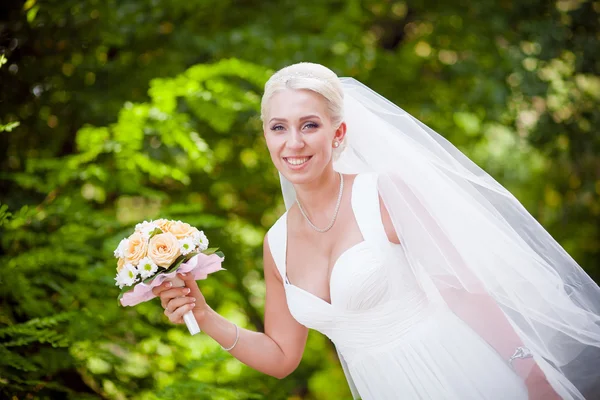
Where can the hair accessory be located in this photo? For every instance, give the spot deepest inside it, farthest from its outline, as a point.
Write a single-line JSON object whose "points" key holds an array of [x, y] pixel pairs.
{"points": [[287, 76]]}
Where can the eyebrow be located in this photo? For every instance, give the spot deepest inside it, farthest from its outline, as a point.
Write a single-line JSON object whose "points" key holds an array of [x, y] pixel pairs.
{"points": [[301, 119]]}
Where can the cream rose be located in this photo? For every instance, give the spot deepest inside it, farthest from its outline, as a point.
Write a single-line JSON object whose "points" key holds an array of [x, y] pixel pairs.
{"points": [[163, 224], [164, 249], [120, 264], [181, 230], [136, 249]]}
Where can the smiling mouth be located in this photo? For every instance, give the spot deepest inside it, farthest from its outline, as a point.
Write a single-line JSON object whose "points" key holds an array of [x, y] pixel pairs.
{"points": [[296, 160]]}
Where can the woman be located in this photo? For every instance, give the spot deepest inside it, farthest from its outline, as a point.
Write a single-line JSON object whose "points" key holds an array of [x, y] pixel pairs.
{"points": [[432, 281]]}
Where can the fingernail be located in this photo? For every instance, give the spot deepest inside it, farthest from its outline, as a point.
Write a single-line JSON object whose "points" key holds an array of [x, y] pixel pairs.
{"points": [[183, 274], [187, 290], [168, 284]]}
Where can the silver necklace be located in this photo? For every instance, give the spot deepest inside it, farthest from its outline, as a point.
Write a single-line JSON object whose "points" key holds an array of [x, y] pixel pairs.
{"points": [[335, 214]]}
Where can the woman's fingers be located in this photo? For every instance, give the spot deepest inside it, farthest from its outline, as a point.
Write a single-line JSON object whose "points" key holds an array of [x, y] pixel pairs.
{"points": [[160, 288], [176, 316], [168, 294], [177, 302], [191, 283]]}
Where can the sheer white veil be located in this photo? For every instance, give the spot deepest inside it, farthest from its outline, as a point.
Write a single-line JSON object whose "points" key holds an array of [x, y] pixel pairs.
{"points": [[464, 232]]}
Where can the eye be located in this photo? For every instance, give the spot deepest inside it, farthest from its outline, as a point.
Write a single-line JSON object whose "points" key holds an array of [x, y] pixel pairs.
{"points": [[277, 128], [311, 125]]}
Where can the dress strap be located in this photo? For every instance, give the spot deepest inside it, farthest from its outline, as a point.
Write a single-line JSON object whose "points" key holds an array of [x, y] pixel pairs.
{"points": [[277, 237], [367, 211]]}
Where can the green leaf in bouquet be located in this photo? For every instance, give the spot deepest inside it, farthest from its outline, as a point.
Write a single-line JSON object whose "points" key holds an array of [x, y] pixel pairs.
{"points": [[155, 232], [213, 250], [179, 261], [210, 251]]}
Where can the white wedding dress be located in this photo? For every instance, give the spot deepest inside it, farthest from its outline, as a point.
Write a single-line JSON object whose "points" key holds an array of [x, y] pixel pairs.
{"points": [[394, 342]]}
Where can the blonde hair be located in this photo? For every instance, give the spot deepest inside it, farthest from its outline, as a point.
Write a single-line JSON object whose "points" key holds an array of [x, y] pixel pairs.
{"points": [[308, 76]]}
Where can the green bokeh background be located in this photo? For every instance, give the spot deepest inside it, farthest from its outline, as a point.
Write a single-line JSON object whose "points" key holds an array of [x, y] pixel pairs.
{"points": [[116, 111]]}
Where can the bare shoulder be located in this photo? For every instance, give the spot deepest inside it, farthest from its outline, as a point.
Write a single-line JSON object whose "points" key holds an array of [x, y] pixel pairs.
{"points": [[349, 178], [269, 266]]}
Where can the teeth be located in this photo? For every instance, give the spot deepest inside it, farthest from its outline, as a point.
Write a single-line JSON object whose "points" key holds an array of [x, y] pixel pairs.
{"points": [[297, 161]]}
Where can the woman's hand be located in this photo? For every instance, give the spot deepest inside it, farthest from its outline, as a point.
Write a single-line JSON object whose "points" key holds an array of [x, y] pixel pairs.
{"points": [[178, 300]]}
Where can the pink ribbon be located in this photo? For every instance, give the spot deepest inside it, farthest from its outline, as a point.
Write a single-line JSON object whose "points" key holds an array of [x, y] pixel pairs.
{"points": [[199, 266]]}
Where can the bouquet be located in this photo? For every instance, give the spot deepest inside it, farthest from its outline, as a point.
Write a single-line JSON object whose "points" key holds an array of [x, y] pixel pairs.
{"points": [[156, 252]]}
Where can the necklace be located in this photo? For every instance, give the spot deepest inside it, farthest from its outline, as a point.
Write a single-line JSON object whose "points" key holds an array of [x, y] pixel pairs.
{"points": [[335, 214]]}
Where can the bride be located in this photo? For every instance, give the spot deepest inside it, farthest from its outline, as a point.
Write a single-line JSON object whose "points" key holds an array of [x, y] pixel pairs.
{"points": [[430, 278]]}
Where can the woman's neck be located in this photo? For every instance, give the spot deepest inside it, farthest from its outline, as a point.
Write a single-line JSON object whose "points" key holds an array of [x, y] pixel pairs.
{"points": [[319, 197]]}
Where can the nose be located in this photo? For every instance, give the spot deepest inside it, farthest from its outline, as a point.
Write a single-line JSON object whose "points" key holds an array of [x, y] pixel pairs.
{"points": [[295, 140]]}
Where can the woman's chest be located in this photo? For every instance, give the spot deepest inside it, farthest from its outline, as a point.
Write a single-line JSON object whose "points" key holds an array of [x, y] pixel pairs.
{"points": [[358, 280], [311, 258]]}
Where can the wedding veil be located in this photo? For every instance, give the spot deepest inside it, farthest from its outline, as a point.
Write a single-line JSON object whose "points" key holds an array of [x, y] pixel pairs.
{"points": [[465, 233]]}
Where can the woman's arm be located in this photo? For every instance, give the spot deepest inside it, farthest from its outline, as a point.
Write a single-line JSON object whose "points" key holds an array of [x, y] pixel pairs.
{"points": [[276, 352], [494, 327]]}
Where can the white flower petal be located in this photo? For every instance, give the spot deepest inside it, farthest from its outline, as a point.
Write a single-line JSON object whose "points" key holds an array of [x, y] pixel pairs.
{"points": [[120, 250], [187, 245], [127, 276], [119, 281], [146, 267], [200, 240], [146, 228]]}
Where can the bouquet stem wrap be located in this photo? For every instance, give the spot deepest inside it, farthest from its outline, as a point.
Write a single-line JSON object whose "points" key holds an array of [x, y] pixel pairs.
{"points": [[188, 317]]}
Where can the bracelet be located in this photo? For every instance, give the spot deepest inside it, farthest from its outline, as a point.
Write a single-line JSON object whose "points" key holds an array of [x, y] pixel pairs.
{"points": [[520, 352], [237, 337]]}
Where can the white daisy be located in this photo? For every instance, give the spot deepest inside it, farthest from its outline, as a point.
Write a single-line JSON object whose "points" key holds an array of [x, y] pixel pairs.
{"points": [[146, 267], [146, 228], [200, 240], [120, 250], [187, 245], [127, 276]]}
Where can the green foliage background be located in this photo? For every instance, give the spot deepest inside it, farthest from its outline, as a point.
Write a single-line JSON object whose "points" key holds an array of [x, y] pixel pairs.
{"points": [[121, 110]]}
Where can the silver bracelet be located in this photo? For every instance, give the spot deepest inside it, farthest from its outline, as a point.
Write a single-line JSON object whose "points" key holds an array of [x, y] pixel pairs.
{"points": [[520, 352], [237, 337]]}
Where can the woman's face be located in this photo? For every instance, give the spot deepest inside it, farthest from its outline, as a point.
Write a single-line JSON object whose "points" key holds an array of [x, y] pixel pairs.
{"points": [[300, 134]]}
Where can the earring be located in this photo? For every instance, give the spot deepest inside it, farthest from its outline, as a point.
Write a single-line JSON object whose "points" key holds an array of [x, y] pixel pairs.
{"points": [[336, 144]]}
